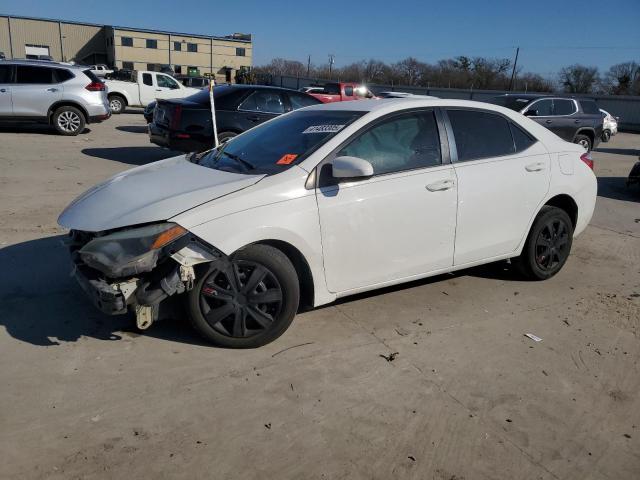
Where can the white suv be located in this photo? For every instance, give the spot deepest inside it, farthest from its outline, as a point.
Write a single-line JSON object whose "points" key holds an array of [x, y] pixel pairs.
{"points": [[64, 96]]}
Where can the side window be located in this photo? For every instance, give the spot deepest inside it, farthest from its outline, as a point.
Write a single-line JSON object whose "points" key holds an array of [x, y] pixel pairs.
{"points": [[301, 101], [521, 139], [400, 143], [5, 73], [563, 107], [33, 75], [166, 82], [146, 79], [348, 91], [263, 101], [543, 108], [480, 134]]}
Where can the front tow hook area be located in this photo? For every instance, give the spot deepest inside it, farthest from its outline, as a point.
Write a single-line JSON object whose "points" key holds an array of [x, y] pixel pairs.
{"points": [[144, 316]]}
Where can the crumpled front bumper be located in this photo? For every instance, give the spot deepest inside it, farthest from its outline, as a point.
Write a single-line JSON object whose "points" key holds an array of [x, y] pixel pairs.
{"points": [[111, 299]]}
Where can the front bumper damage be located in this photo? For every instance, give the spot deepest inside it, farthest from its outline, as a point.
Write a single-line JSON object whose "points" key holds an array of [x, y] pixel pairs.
{"points": [[143, 293]]}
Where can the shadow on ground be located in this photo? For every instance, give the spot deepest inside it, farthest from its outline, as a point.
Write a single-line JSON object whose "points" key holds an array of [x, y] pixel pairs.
{"points": [[32, 128], [41, 303], [616, 188], [131, 155], [132, 128], [619, 151]]}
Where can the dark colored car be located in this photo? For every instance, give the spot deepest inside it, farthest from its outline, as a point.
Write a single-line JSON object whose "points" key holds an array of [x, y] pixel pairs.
{"points": [[194, 82], [576, 120], [634, 175], [185, 124]]}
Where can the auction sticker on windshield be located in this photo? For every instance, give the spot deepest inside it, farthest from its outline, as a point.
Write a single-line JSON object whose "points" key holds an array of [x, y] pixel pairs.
{"points": [[323, 129]]}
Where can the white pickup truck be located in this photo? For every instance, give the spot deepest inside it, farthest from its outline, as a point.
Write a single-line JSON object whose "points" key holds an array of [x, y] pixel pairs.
{"points": [[144, 88]]}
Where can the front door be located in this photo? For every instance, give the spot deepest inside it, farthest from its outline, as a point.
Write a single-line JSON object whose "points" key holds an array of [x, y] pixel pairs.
{"points": [[400, 222], [166, 86], [503, 175]]}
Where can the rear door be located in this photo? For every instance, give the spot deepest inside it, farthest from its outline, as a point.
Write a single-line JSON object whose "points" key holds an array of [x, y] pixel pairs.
{"points": [[260, 106], [6, 78], [541, 111], [503, 175], [566, 120], [34, 91]]}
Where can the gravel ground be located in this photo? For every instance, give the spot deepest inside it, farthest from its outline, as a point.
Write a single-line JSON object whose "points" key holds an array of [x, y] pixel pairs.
{"points": [[466, 397]]}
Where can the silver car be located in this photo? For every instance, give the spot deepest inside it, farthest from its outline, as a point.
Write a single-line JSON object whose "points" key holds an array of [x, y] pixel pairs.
{"points": [[65, 96]]}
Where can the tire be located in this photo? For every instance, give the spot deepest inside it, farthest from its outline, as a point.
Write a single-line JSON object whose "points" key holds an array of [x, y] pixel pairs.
{"points": [[224, 304], [606, 136], [68, 121], [548, 244], [226, 136], [117, 104], [584, 141]]}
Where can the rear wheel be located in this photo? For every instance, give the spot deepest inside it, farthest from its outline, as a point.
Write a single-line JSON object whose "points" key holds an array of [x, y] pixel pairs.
{"points": [[68, 121], [117, 104], [246, 301], [584, 141], [548, 244], [606, 136], [224, 137]]}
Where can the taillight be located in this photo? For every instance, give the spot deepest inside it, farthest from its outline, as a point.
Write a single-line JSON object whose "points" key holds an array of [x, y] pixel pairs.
{"points": [[96, 87], [586, 158], [177, 116]]}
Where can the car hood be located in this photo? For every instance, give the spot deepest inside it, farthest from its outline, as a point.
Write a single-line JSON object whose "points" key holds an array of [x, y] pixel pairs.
{"points": [[150, 193]]}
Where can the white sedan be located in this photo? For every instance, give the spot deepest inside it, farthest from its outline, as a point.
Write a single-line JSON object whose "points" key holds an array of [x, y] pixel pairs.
{"points": [[325, 202]]}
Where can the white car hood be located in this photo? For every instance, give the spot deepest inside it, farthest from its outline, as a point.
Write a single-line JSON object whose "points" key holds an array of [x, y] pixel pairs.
{"points": [[150, 193]]}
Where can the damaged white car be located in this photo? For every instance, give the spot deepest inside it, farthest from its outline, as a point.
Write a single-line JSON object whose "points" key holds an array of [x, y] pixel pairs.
{"points": [[325, 202]]}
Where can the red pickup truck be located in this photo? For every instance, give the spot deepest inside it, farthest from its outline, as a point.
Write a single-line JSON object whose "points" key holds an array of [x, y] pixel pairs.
{"points": [[342, 92]]}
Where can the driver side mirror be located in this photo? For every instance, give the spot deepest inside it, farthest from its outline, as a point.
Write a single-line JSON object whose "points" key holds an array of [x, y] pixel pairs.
{"points": [[351, 167], [531, 113]]}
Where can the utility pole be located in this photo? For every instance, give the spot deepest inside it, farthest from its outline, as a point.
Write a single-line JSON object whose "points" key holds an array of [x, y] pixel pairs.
{"points": [[331, 62], [513, 73], [308, 65]]}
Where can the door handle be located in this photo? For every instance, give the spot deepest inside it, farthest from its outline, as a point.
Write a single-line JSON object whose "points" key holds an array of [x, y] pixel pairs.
{"points": [[158, 89], [548, 121], [440, 186], [577, 121], [253, 118], [3, 90], [52, 89], [535, 167]]}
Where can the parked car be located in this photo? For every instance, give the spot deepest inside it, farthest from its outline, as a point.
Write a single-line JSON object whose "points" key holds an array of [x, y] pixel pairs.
{"points": [[193, 82], [576, 120], [64, 96], [148, 111], [342, 92], [609, 125], [326, 202], [185, 125], [101, 70], [634, 175], [145, 88], [311, 89]]}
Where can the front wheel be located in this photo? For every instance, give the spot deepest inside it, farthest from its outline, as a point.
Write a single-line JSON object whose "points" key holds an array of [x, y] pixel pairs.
{"points": [[548, 244], [247, 300], [68, 121]]}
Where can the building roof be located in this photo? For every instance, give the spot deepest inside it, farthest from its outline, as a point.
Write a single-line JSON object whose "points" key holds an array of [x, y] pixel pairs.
{"points": [[229, 38]]}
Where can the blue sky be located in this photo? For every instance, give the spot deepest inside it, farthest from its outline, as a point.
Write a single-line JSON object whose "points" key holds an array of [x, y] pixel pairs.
{"points": [[551, 34]]}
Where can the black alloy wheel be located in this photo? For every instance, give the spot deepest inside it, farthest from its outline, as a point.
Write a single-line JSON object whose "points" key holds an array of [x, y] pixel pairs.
{"points": [[551, 244], [241, 300], [247, 300], [547, 246]]}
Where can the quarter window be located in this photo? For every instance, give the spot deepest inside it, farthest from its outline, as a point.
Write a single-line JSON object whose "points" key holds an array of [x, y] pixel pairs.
{"points": [[563, 107], [263, 101], [126, 41], [400, 143], [146, 79], [542, 108], [480, 134], [521, 139]]}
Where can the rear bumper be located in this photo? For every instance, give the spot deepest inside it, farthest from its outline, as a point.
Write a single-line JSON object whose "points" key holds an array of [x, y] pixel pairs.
{"points": [[165, 138], [100, 118]]}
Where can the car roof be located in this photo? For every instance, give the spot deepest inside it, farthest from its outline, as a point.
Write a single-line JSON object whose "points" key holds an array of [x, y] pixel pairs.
{"points": [[534, 96], [401, 103], [45, 63]]}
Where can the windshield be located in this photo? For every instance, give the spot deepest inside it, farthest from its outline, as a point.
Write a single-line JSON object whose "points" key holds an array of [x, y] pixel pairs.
{"points": [[277, 145]]}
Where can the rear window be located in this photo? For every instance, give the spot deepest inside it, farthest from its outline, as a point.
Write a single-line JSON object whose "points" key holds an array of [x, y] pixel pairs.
{"points": [[92, 76], [513, 103], [5, 73], [332, 89], [590, 107], [480, 135], [225, 97], [275, 146]]}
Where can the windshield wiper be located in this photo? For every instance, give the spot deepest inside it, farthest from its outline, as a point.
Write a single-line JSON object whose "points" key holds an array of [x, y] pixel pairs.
{"points": [[240, 160]]}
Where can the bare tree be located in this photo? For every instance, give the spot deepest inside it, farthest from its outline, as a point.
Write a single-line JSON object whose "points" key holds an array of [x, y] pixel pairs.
{"points": [[623, 79], [579, 79]]}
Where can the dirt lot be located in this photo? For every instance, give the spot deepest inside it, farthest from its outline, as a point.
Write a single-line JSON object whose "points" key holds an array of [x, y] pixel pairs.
{"points": [[467, 396]]}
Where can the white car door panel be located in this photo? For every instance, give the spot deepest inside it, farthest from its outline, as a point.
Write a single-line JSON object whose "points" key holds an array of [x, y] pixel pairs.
{"points": [[398, 223]]}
